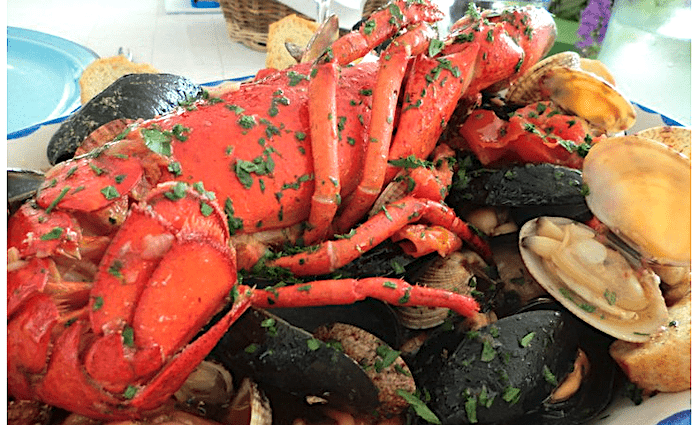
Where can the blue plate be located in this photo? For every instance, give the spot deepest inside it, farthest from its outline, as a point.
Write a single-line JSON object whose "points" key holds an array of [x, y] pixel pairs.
{"points": [[42, 77]]}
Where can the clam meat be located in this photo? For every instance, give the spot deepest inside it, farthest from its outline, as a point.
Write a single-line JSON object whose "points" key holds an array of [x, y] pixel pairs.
{"points": [[592, 279], [640, 190]]}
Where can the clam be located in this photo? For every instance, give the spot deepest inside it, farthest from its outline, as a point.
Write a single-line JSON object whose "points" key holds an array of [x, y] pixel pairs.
{"points": [[456, 273], [526, 90], [592, 280], [640, 190], [576, 91], [250, 406], [598, 68]]}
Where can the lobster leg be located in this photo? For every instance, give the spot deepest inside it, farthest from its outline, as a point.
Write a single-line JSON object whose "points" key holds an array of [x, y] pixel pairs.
{"points": [[379, 227], [347, 291], [324, 147], [393, 64], [323, 116], [380, 26], [433, 90]]}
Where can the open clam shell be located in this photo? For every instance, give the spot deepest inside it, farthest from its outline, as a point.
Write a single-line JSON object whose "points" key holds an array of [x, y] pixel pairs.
{"points": [[590, 95], [592, 279], [250, 406], [640, 189], [526, 89]]}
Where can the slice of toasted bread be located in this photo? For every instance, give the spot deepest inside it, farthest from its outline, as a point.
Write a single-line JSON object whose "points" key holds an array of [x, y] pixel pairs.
{"points": [[663, 363], [293, 29], [104, 71]]}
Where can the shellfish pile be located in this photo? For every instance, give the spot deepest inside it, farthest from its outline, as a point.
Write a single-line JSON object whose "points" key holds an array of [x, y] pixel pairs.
{"points": [[612, 277]]}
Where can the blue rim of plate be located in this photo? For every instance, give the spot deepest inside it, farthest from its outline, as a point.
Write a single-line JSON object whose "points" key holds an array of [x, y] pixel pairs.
{"points": [[31, 129], [76, 58], [679, 418]]}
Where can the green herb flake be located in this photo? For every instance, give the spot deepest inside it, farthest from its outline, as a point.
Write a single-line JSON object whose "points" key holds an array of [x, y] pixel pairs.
{"points": [[435, 47], [128, 336], [157, 141], [179, 191], [387, 355], [53, 234], [369, 27], [405, 297], [115, 269], [527, 339], [313, 344], [610, 296], [269, 324], [418, 406], [488, 353], [98, 303], [252, 348], [246, 121], [206, 209], [110, 192], [175, 168], [97, 170], [470, 408], [549, 376], [55, 202], [511, 394], [130, 392]]}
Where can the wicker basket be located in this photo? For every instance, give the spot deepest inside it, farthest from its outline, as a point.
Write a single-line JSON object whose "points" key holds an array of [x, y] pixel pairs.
{"points": [[247, 21]]}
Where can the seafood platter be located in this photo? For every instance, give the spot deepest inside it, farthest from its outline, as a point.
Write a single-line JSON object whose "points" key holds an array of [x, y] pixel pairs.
{"points": [[461, 230]]}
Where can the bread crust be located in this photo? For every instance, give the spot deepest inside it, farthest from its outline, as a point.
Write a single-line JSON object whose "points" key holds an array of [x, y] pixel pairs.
{"points": [[663, 363], [104, 71], [293, 29]]}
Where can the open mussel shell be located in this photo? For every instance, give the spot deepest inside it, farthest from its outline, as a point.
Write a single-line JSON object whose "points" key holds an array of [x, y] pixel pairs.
{"points": [[640, 189], [495, 374], [280, 357], [592, 279], [597, 386]]}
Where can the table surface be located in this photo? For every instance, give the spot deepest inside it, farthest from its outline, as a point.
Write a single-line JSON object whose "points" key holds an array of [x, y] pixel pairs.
{"points": [[179, 40]]}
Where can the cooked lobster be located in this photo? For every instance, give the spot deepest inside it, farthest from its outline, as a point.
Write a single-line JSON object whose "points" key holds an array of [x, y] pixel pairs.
{"points": [[132, 246]]}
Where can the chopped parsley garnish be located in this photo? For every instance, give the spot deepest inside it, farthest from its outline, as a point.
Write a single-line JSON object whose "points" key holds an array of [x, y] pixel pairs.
{"points": [[418, 406], [53, 234]]}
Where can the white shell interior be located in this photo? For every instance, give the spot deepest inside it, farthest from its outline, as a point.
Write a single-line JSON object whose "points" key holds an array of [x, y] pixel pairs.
{"points": [[612, 306]]}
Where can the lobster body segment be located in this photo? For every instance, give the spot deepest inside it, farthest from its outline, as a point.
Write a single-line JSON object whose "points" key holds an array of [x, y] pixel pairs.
{"points": [[130, 249]]}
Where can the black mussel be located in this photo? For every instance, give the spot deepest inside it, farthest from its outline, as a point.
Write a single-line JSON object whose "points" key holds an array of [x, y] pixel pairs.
{"points": [[285, 359], [374, 316], [528, 191], [386, 259], [21, 186], [496, 374], [132, 96], [598, 384]]}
